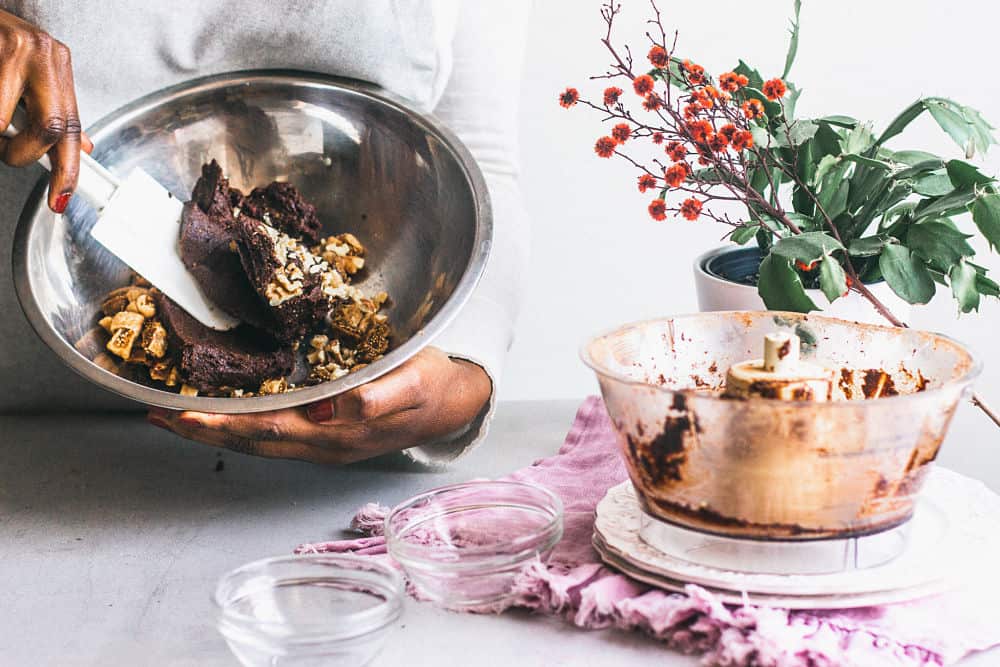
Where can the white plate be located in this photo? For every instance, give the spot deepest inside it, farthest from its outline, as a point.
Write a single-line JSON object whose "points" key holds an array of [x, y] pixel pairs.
{"points": [[772, 600], [955, 530]]}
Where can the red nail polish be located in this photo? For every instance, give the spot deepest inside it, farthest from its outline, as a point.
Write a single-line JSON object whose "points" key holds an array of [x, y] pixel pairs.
{"points": [[62, 201], [321, 412]]}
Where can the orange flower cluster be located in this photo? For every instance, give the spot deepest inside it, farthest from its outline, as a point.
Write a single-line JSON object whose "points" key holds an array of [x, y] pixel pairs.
{"points": [[568, 97], [774, 89], [621, 132], [700, 130], [659, 56], [676, 174], [753, 109], [657, 138], [695, 73], [643, 84], [731, 81], [605, 147], [676, 151], [652, 102], [647, 182], [691, 209], [658, 209], [611, 95]]}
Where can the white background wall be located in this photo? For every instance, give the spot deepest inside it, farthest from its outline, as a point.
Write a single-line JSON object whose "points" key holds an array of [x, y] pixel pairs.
{"points": [[599, 260]]}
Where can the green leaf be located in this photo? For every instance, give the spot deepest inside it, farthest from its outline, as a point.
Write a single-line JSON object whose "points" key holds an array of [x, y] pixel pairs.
{"points": [[806, 247], [954, 202], [899, 123], [761, 137], [826, 163], [985, 286], [836, 204], [793, 42], [906, 274], [866, 247], [859, 139], [964, 125], [743, 234], [764, 239], [781, 288], [925, 167], [963, 286], [800, 131], [791, 100], [756, 80], [914, 157], [866, 161], [832, 279], [934, 184], [939, 243], [962, 173], [955, 125], [986, 215], [840, 121]]}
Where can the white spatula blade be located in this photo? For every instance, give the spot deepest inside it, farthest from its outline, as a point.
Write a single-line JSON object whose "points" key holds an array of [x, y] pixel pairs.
{"points": [[141, 225]]}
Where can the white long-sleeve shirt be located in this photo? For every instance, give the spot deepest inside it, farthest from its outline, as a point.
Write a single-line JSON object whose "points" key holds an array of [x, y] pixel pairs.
{"points": [[460, 60]]}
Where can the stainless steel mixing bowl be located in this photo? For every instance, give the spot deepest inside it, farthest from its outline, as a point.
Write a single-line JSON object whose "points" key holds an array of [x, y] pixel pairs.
{"points": [[399, 180], [772, 469]]}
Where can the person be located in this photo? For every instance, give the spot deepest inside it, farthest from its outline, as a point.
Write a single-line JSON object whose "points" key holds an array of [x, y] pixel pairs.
{"points": [[74, 61]]}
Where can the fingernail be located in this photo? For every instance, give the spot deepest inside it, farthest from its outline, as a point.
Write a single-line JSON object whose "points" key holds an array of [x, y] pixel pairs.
{"points": [[321, 412], [62, 201], [157, 422]]}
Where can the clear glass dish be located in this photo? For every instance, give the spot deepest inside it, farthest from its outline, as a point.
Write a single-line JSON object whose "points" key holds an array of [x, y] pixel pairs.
{"points": [[463, 545], [309, 610]]}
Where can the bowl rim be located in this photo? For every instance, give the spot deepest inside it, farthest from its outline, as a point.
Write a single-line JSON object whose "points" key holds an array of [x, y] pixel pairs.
{"points": [[481, 247], [975, 367], [371, 619], [538, 540]]}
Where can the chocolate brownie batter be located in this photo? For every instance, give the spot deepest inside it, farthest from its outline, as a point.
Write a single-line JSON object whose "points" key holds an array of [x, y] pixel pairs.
{"points": [[208, 360], [281, 206]]}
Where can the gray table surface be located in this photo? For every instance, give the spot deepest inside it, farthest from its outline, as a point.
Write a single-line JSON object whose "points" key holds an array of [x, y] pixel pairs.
{"points": [[112, 535]]}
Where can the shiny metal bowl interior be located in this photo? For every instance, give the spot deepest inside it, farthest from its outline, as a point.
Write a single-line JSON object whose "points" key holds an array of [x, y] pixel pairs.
{"points": [[769, 469], [398, 180]]}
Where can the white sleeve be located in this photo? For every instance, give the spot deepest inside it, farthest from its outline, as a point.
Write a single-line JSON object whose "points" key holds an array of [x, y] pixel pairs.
{"points": [[480, 105]]}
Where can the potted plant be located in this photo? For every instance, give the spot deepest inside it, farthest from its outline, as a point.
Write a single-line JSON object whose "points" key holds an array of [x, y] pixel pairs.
{"points": [[836, 216]]}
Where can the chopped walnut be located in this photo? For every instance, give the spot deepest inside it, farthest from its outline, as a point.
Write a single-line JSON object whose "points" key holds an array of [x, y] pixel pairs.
{"points": [[115, 302], [188, 390], [274, 386], [145, 306]]}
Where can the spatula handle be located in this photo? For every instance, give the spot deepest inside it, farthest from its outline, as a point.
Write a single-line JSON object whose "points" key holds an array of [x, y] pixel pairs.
{"points": [[95, 184]]}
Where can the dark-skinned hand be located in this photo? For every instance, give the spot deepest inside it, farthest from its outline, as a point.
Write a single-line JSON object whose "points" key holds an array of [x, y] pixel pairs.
{"points": [[425, 399], [37, 68]]}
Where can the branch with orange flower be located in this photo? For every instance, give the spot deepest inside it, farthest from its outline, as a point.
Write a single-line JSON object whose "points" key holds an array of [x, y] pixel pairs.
{"points": [[828, 203]]}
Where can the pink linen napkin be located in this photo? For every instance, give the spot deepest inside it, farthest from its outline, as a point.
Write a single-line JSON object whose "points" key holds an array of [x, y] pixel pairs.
{"points": [[575, 584]]}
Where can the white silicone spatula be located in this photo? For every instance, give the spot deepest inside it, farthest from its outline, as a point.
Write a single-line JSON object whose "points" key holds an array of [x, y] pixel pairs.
{"points": [[139, 221]]}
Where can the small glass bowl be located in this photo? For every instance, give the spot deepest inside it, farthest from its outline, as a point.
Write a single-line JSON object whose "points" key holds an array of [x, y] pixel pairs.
{"points": [[462, 546], [309, 610]]}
